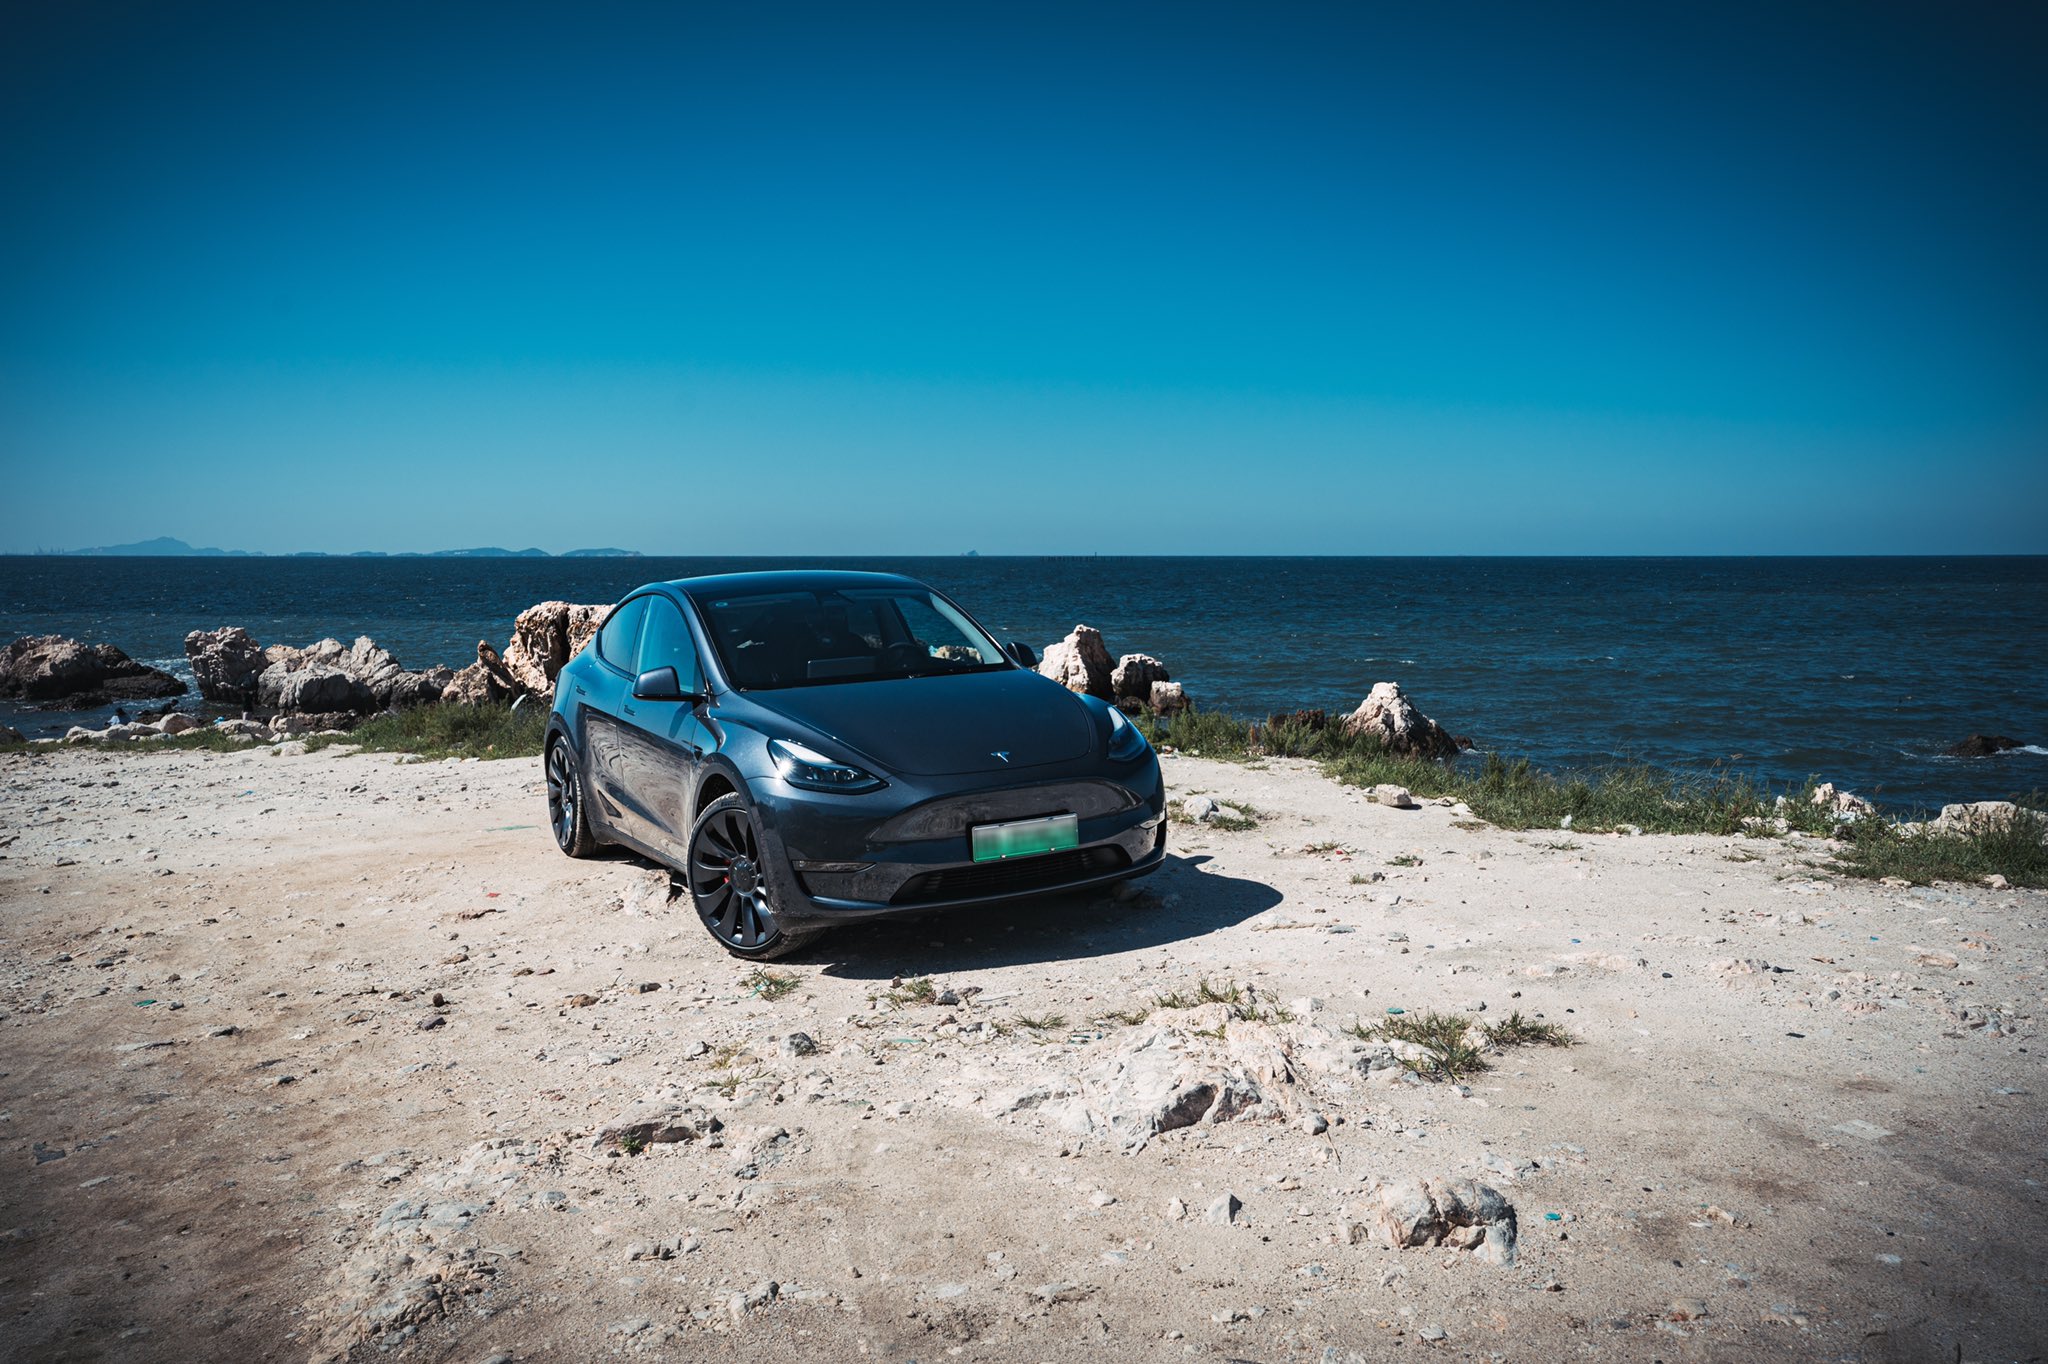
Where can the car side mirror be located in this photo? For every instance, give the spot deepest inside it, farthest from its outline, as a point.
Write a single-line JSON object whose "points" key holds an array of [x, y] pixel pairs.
{"points": [[661, 684], [1023, 654]]}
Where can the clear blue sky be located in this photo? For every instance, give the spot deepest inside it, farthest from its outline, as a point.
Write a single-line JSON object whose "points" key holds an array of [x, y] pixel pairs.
{"points": [[884, 279]]}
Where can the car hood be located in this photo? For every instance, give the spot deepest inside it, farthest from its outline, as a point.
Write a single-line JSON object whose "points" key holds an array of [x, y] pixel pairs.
{"points": [[946, 724]]}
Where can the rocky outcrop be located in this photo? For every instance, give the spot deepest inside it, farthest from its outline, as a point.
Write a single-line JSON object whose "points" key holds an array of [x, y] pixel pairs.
{"points": [[1134, 675], [1462, 1214], [1979, 817], [10, 735], [1846, 804], [1982, 746], [484, 682], [323, 679], [1389, 716], [227, 663], [422, 688], [52, 670], [312, 687], [1080, 663], [546, 637]]}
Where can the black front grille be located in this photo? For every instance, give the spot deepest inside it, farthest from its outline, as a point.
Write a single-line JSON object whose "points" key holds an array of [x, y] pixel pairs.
{"points": [[1042, 872]]}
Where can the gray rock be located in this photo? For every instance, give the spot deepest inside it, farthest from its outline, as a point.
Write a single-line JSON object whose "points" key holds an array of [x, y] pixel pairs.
{"points": [[1462, 1214], [752, 1299], [1223, 1211], [44, 669], [798, 1044], [650, 1122], [226, 662], [1200, 809], [1151, 1084], [1134, 675]]}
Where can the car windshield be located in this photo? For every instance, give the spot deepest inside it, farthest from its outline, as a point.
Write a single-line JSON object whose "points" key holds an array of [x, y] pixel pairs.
{"points": [[808, 638]]}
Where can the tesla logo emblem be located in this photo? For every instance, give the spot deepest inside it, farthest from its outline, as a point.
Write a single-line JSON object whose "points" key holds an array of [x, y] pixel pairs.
{"points": [[1004, 756]]}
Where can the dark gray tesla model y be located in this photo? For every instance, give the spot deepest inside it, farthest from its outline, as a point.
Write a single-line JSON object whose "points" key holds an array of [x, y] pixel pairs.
{"points": [[808, 749]]}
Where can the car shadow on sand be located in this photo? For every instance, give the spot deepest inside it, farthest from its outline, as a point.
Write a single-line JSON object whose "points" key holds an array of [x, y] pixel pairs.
{"points": [[1180, 902]]}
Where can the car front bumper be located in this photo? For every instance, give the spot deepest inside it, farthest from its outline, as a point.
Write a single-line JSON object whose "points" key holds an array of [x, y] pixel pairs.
{"points": [[907, 851]]}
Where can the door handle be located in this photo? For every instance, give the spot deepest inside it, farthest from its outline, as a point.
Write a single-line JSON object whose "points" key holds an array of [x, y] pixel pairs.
{"points": [[580, 691], [628, 710]]}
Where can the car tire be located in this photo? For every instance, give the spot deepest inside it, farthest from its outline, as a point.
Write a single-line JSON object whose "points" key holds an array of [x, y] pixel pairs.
{"points": [[567, 814], [732, 887]]}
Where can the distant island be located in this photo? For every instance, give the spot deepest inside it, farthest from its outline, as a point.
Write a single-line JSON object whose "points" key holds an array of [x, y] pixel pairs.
{"points": [[165, 546]]}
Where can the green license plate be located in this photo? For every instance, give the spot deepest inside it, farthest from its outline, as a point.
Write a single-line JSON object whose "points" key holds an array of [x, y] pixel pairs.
{"points": [[1025, 837]]}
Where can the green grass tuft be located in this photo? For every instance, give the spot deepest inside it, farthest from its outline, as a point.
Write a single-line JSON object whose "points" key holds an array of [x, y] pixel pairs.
{"points": [[769, 985], [1448, 1051], [448, 731], [918, 991], [1042, 1023], [1517, 1031], [2016, 851]]}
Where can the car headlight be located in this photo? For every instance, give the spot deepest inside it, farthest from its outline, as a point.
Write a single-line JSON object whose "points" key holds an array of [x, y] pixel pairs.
{"points": [[1125, 742], [808, 768]]}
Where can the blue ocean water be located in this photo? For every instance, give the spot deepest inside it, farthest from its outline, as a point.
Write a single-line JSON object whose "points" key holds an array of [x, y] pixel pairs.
{"points": [[1856, 670]]}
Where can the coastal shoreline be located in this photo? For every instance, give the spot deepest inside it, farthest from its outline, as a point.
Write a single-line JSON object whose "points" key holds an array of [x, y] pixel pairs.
{"points": [[1778, 668]]}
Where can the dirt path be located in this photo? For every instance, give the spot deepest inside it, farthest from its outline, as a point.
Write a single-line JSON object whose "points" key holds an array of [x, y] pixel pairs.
{"points": [[1803, 1119]]}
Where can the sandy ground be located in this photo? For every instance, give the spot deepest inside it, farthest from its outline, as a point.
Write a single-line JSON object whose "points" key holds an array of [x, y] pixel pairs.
{"points": [[1803, 1120]]}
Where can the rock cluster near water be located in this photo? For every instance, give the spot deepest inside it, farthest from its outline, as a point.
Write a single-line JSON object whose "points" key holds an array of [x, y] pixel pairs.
{"points": [[53, 671], [331, 679], [327, 678], [1134, 682]]}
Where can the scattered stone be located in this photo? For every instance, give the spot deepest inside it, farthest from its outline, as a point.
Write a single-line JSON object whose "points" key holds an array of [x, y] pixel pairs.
{"points": [[752, 1299], [1176, 1210], [1868, 1131], [1398, 797], [652, 1121], [1462, 1214], [798, 1044], [1200, 809], [1223, 1211]]}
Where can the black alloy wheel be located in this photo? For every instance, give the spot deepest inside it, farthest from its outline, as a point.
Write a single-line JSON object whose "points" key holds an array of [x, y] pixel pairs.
{"points": [[565, 802], [729, 883]]}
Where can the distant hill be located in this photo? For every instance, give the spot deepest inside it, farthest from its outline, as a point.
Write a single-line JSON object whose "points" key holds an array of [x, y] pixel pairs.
{"points": [[490, 552], [166, 546]]}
